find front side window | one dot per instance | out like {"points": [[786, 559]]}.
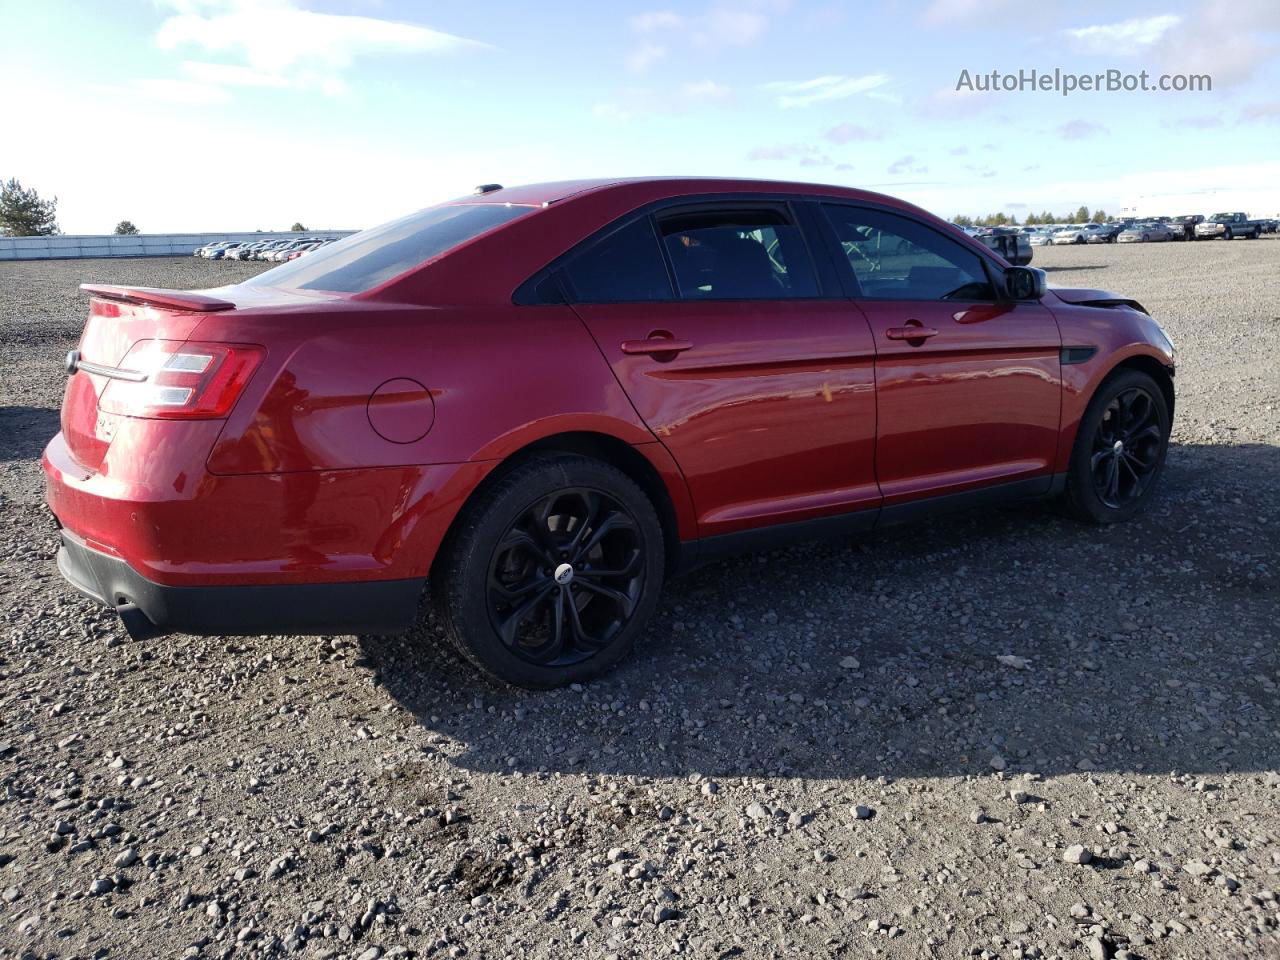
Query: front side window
{"points": [[896, 258], [371, 257], [737, 255]]}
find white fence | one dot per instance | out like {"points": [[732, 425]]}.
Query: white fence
{"points": [[140, 245]]}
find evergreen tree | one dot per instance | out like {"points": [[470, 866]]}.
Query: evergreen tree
{"points": [[24, 214]]}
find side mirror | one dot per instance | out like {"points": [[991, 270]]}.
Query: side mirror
{"points": [[1025, 283]]}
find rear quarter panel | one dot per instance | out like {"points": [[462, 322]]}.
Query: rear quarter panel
{"points": [[498, 378]]}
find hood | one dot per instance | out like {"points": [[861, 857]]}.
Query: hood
{"points": [[1089, 297]]}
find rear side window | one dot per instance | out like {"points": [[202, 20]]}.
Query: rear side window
{"points": [[745, 254], [896, 258], [624, 266], [371, 257]]}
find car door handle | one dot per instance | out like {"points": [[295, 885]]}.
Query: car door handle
{"points": [[910, 333], [655, 345]]}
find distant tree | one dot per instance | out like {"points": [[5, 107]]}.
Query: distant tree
{"points": [[1013, 220], [1032, 219], [1081, 215], [24, 214], [298, 227], [1100, 216], [963, 221], [125, 228]]}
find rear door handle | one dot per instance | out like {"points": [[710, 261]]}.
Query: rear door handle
{"points": [[910, 333], [655, 345]]}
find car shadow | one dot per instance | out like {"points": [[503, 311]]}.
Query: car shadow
{"points": [[1146, 646], [24, 431]]}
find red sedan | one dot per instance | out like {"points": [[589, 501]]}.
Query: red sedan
{"points": [[544, 400]]}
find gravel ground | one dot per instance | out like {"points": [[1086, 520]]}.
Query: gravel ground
{"points": [[997, 735]]}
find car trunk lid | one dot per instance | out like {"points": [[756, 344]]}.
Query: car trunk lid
{"points": [[118, 318]]}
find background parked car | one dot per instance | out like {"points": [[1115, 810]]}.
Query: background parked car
{"points": [[224, 252], [1102, 232], [1075, 233], [1149, 231], [1188, 223], [1228, 226]]}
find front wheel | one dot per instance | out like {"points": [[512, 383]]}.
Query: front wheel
{"points": [[552, 573], [1120, 449]]}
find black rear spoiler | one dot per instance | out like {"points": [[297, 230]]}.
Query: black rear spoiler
{"points": [[156, 297]]}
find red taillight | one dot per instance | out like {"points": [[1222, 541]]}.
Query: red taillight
{"points": [[184, 380]]}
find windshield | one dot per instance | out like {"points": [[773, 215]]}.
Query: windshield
{"points": [[371, 257], [1221, 216]]}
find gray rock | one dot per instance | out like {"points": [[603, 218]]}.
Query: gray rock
{"points": [[1077, 854]]}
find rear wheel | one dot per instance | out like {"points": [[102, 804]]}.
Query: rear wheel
{"points": [[1120, 449], [552, 573]]}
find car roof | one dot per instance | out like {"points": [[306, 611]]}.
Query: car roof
{"points": [[537, 194]]}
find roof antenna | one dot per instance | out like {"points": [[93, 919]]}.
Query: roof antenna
{"points": [[487, 188]]}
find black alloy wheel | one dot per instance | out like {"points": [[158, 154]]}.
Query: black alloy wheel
{"points": [[1126, 448], [551, 572], [1120, 449], [566, 577]]}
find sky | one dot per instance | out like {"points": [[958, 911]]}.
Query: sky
{"points": [[206, 115]]}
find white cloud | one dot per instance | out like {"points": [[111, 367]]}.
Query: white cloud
{"points": [[707, 90], [301, 48], [950, 102], [162, 90], [785, 151], [1079, 130], [644, 56], [729, 26], [726, 23], [802, 93], [1261, 111], [1122, 38], [655, 20], [230, 75], [906, 164], [843, 133], [1227, 39], [942, 12], [635, 101]]}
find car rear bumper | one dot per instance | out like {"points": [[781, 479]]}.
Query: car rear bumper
{"points": [[151, 609], [153, 504]]}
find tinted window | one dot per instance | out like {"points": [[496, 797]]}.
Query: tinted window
{"points": [[624, 266], [366, 259], [895, 258], [737, 255]]}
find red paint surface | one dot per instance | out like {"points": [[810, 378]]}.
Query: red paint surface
{"points": [[372, 418]]}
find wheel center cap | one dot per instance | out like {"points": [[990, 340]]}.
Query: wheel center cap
{"points": [[1119, 446], [564, 574]]}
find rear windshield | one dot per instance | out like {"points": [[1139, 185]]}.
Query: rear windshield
{"points": [[371, 257]]}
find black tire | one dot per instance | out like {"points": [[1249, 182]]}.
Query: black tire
{"points": [[561, 509], [1227, 234], [1113, 437]]}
